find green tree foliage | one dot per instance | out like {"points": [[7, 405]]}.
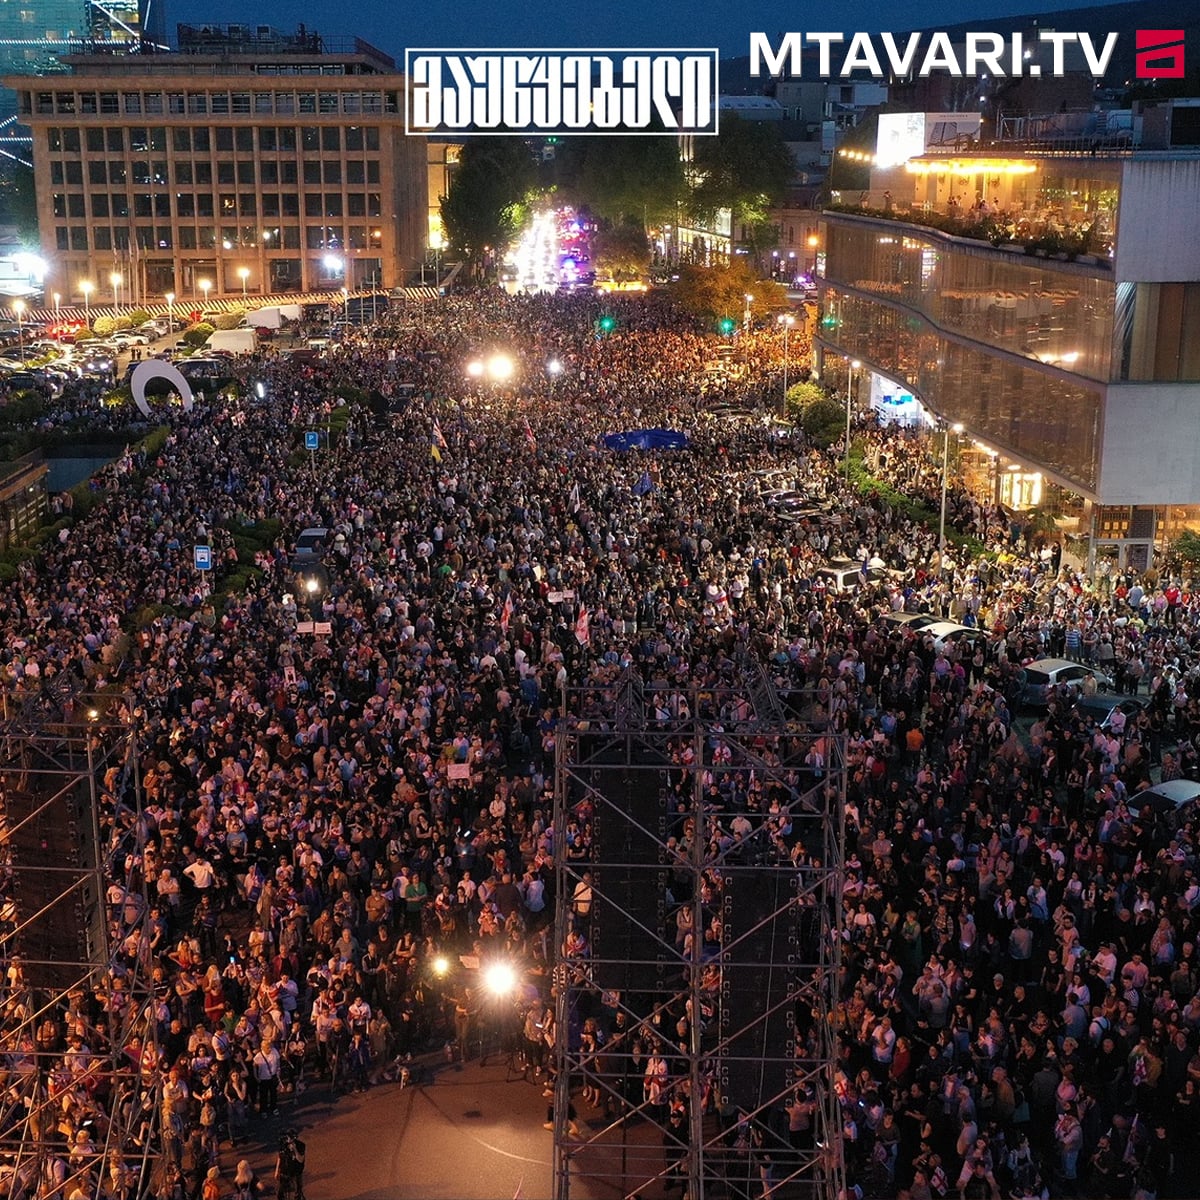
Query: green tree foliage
{"points": [[711, 293], [1187, 547], [103, 326], [622, 251], [801, 396], [198, 334], [622, 179], [229, 320], [746, 168], [488, 196], [823, 421], [139, 316]]}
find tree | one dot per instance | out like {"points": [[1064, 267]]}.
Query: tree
{"points": [[229, 320], [746, 168], [1187, 547], [198, 334], [712, 293], [800, 397], [623, 179], [488, 197], [622, 251], [823, 422]]}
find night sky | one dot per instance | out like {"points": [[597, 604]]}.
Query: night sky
{"points": [[393, 25]]}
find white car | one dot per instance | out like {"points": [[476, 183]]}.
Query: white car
{"points": [[949, 634]]}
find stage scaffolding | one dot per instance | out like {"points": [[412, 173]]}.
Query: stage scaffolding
{"points": [[73, 954], [666, 770]]}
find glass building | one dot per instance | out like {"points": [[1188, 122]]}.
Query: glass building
{"points": [[1051, 305]]}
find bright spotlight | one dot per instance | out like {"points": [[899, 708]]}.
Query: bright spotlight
{"points": [[554, 367], [475, 368], [500, 978], [311, 586], [500, 367], [441, 965]]}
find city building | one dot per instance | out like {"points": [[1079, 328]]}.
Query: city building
{"points": [[1047, 297], [248, 161], [36, 36]]}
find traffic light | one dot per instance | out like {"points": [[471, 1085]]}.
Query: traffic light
{"points": [[727, 325], [606, 324]]}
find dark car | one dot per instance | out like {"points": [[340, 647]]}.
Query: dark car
{"points": [[1102, 705]]}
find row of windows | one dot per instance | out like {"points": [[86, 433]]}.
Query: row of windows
{"points": [[271, 139], [281, 103], [149, 172], [204, 204], [211, 237]]}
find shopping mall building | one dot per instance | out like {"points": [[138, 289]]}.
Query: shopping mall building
{"points": [[1047, 297]]}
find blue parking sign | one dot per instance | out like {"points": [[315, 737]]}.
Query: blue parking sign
{"points": [[203, 558], [312, 440]]}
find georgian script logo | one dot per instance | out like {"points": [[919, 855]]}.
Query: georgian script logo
{"points": [[561, 91]]}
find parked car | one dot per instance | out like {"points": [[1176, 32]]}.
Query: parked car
{"points": [[310, 545], [844, 575], [948, 634], [914, 621], [1043, 675], [1167, 806], [1102, 705]]}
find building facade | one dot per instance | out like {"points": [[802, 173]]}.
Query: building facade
{"points": [[1048, 302], [36, 35], [250, 162]]}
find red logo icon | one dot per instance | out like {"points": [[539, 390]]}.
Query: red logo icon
{"points": [[1159, 54]]}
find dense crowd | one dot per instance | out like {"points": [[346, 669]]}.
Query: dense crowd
{"points": [[342, 790]]}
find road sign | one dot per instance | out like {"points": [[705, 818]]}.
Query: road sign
{"points": [[312, 440], [203, 558]]}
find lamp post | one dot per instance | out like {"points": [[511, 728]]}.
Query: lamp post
{"points": [[205, 284], [243, 275], [57, 303], [746, 311], [170, 299], [957, 428], [86, 288], [115, 280], [19, 309], [854, 365], [787, 321]]}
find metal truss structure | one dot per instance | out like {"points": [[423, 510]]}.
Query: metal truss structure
{"points": [[698, 943], [72, 953]]}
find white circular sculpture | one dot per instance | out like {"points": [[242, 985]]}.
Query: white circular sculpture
{"points": [[156, 368]]}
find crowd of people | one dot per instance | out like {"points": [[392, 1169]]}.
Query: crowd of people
{"points": [[343, 797]]}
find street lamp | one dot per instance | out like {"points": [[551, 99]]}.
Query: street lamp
{"points": [[19, 309], [787, 321], [57, 303], [854, 365], [746, 311], [115, 280], [86, 289], [243, 275], [205, 284], [957, 428], [170, 299]]}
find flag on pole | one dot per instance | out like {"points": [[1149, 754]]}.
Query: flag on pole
{"points": [[438, 438], [573, 498], [506, 612], [435, 453], [583, 632], [529, 436]]}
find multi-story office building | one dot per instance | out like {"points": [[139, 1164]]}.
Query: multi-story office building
{"points": [[248, 161], [1049, 300], [37, 34]]}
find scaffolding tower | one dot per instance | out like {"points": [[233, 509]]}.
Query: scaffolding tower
{"points": [[698, 839], [73, 948]]}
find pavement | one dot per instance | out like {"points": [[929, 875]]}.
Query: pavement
{"points": [[464, 1132]]}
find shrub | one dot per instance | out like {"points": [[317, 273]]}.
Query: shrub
{"points": [[139, 316], [229, 320], [198, 334], [103, 326], [823, 422]]}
